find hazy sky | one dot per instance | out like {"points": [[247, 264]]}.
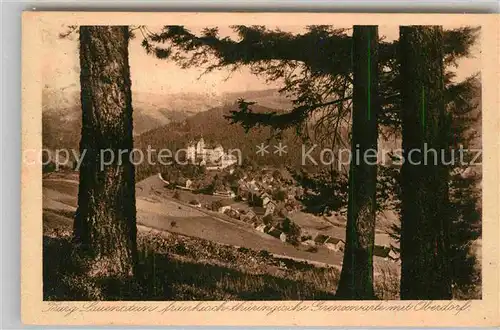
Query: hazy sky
{"points": [[61, 66]]}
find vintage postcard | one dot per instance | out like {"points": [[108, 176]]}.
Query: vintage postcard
{"points": [[260, 169]]}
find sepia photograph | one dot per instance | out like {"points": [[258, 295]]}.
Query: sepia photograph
{"points": [[260, 162]]}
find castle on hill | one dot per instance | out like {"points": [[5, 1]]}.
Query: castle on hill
{"points": [[213, 157]]}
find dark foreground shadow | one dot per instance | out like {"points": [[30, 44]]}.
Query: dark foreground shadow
{"points": [[160, 277]]}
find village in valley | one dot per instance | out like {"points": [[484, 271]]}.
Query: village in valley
{"points": [[267, 198]]}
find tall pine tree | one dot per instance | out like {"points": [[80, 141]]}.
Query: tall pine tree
{"points": [[105, 223], [425, 225], [356, 279]]}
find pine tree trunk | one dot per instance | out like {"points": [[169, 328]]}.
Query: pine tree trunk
{"points": [[356, 280], [424, 182], [105, 223]]}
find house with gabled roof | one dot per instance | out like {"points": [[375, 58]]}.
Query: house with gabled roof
{"points": [[275, 232], [321, 239], [334, 244], [381, 251]]}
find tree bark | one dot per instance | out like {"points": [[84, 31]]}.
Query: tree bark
{"points": [[105, 222], [425, 219], [356, 280]]}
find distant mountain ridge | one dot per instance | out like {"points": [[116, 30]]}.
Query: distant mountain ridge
{"points": [[269, 98], [61, 113]]}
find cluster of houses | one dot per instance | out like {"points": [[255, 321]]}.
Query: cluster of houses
{"points": [[331, 243], [338, 245], [187, 184], [183, 184], [256, 193], [264, 182], [244, 215], [269, 207], [386, 252], [273, 231], [254, 215], [228, 193]]}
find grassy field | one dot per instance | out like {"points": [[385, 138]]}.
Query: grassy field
{"points": [[176, 267]]}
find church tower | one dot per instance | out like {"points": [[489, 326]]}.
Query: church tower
{"points": [[200, 147]]}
